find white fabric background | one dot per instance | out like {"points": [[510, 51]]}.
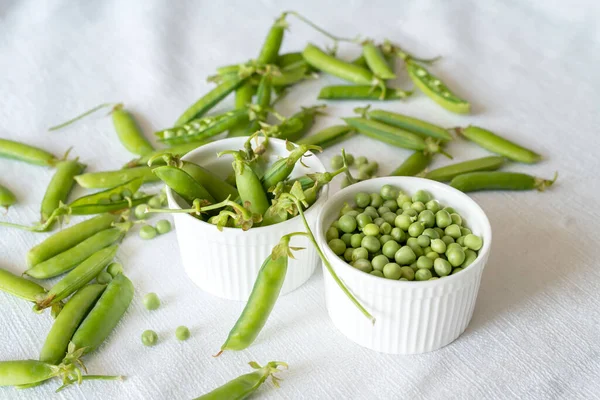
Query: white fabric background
{"points": [[529, 68]]}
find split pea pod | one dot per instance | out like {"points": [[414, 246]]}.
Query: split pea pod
{"points": [[60, 186], [20, 287], [328, 136], [496, 144], [105, 315], [26, 372], [245, 385], [57, 342], [283, 167], [248, 184], [435, 89], [409, 123], [68, 238], [322, 61], [26, 153], [262, 299], [377, 62], [270, 49], [183, 184], [217, 187], [475, 181], [211, 99], [445, 174], [351, 92], [110, 179], [203, 128], [112, 195], [79, 277], [387, 134], [413, 165], [7, 198], [129, 132], [69, 259]]}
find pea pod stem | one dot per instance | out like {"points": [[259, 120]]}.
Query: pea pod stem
{"points": [[318, 28], [80, 116], [91, 378]]}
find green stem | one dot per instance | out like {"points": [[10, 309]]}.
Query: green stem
{"points": [[92, 378], [318, 28], [77, 118]]}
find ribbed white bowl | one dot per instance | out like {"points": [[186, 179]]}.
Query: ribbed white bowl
{"points": [[226, 263], [411, 317]]}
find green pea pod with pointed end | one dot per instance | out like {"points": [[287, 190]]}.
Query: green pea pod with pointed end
{"points": [[497, 144], [377, 62], [445, 174], [328, 136], [183, 184], [248, 184], [283, 167], [217, 187], [20, 287], [60, 186], [244, 385], [496, 180], [243, 99], [129, 132], [105, 315], [413, 165], [26, 372], [388, 134], [270, 49], [67, 322], [7, 198], [111, 179], [410, 124], [435, 89], [295, 127], [351, 92], [26, 153], [322, 61], [78, 277]]}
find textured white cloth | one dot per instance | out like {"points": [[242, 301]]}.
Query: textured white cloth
{"points": [[530, 70]]}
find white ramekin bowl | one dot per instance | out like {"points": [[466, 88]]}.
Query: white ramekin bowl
{"points": [[226, 263], [411, 317]]}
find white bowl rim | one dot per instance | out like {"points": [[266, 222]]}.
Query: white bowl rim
{"points": [[236, 141], [397, 181]]}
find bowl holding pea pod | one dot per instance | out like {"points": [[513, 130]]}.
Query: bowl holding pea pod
{"points": [[225, 262], [412, 251]]}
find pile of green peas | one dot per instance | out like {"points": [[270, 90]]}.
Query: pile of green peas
{"points": [[365, 169], [395, 236]]}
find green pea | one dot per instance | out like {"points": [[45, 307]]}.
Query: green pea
{"points": [[434, 278], [392, 271], [464, 231], [163, 226], [438, 245], [371, 243], [447, 239], [473, 242], [414, 245], [378, 221], [362, 199], [452, 246], [402, 279], [422, 196], [453, 231], [182, 333], [345, 182], [149, 338], [405, 255], [433, 206], [385, 228], [337, 161], [413, 266], [418, 206], [416, 229], [389, 217], [427, 218], [449, 210], [426, 249], [391, 204], [390, 248], [456, 256], [456, 270], [332, 233], [408, 273], [470, 256], [423, 241], [376, 200], [126, 193], [432, 254], [371, 230], [388, 192], [351, 213], [385, 238], [345, 208], [423, 275], [376, 272], [104, 278], [439, 231], [442, 267], [378, 262], [371, 168], [360, 253], [401, 199], [103, 201], [403, 222], [348, 254], [356, 239], [398, 234], [361, 160], [371, 212], [147, 232], [115, 197], [461, 241], [140, 211], [363, 264], [151, 301], [335, 225], [431, 233], [347, 223], [155, 202], [411, 213], [115, 269], [407, 205], [456, 219], [138, 195], [424, 262], [337, 246], [443, 219], [346, 239]]}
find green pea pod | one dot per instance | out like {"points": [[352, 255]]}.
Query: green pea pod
{"points": [[377, 62], [243, 386], [178, 150], [290, 76], [270, 49], [208, 101], [7, 198], [294, 128], [26, 153], [183, 184], [60, 186], [65, 325], [248, 185], [69, 259], [26, 372], [283, 167], [111, 179], [261, 301], [290, 59], [360, 61], [409, 123], [79, 277], [129, 132], [496, 144], [243, 99], [218, 188], [319, 179], [322, 61], [328, 136], [435, 89], [445, 174], [125, 190], [475, 181], [89, 209], [387, 134], [351, 92], [20, 287], [68, 238], [413, 165], [274, 215], [205, 129], [105, 315], [259, 110]]}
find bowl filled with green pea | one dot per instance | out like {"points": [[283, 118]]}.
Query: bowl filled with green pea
{"points": [[412, 251]]}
